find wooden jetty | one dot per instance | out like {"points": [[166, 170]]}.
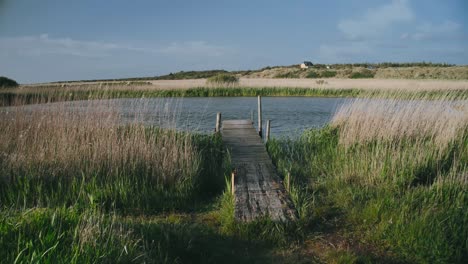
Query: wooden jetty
{"points": [[257, 188]]}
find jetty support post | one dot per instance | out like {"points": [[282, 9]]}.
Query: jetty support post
{"points": [[218, 122], [260, 116], [267, 134], [287, 183], [233, 185]]}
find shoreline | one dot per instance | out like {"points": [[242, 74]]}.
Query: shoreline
{"points": [[341, 88], [328, 83]]}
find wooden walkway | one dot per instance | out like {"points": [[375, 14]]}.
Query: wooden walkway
{"points": [[258, 190]]}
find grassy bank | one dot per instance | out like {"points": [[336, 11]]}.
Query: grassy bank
{"points": [[385, 182], [55, 93], [366, 70], [386, 70], [58, 157], [387, 176], [81, 187], [68, 179]]}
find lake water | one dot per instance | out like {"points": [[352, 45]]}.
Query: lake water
{"points": [[289, 115]]}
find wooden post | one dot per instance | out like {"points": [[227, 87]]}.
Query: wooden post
{"points": [[267, 134], [260, 116], [233, 177], [251, 115], [218, 122]]}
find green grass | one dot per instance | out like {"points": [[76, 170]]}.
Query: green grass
{"points": [[328, 74], [68, 235], [323, 74], [55, 95], [209, 73], [407, 213], [288, 75], [363, 74], [129, 188], [396, 200], [75, 212], [312, 75], [182, 75], [223, 79]]}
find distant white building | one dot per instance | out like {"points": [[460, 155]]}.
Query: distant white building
{"points": [[306, 65]]}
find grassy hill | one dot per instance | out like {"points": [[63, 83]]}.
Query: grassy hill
{"points": [[378, 71], [386, 70]]}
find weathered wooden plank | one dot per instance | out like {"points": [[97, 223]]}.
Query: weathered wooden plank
{"points": [[236, 126], [238, 122], [258, 190]]}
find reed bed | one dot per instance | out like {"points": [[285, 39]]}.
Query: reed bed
{"points": [[330, 83], [130, 165], [393, 170], [77, 184], [71, 174], [44, 93], [81, 183], [440, 121]]}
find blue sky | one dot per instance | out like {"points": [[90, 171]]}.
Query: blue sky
{"points": [[52, 40]]}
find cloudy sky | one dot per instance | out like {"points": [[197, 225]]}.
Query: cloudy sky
{"points": [[51, 40]]}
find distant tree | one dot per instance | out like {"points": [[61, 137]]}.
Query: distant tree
{"points": [[328, 74], [7, 82], [223, 79], [364, 74], [312, 74]]}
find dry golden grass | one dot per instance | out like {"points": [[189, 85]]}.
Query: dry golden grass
{"points": [[454, 73], [441, 120], [395, 136], [446, 73], [366, 84], [70, 141], [332, 83]]}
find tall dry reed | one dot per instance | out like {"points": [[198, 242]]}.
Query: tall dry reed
{"points": [[365, 84], [441, 120], [51, 153], [393, 170], [412, 141], [70, 141]]}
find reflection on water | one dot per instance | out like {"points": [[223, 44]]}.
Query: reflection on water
{"points": [[289, 115]]}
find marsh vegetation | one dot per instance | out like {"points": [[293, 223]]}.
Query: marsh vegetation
{"points": [[227, 85], [387, 176], [385, 181]]}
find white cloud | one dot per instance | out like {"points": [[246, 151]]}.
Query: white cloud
{"points": [[45, 45], [427, 31], [366, 33], [372, 37], [377, 20]]}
